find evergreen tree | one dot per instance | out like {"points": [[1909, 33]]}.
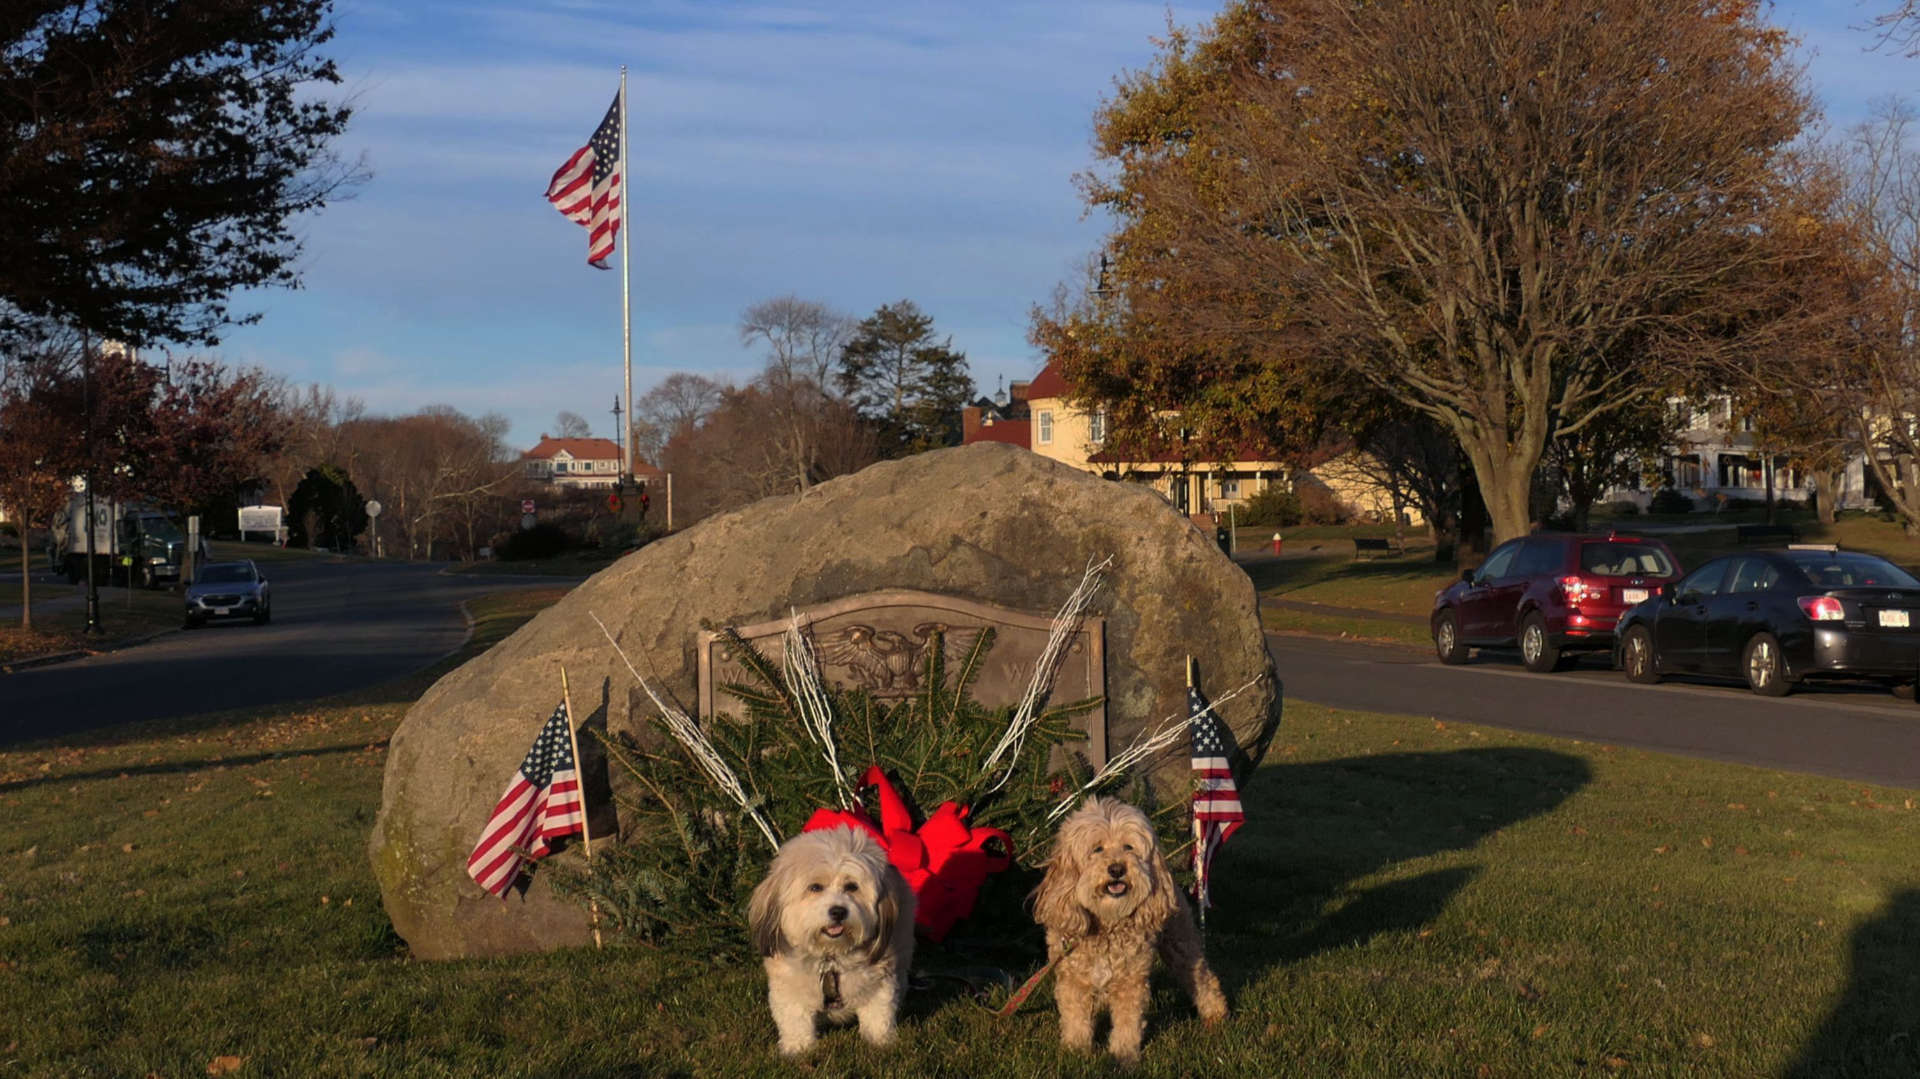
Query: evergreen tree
{"points": [[156, 152], [911, 387]]}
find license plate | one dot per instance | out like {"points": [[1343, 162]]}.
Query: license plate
{"points": [[224, 610], [1895, 619], [1633, 595]]}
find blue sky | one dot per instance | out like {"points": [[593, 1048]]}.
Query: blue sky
{"points": [[851, 152]]}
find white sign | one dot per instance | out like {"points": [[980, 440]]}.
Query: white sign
{"points": [[260, 519], [526, 505], [373, 507]]}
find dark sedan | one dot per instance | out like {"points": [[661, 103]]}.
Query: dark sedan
{"points": [[228, 590], [1775, 618]]}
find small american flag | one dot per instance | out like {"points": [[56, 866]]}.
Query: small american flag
{"points": [[1216, 799], [542, 803], [589, 190]]}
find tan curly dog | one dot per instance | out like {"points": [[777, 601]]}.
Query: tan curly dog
{"points": [[1108, 905]]}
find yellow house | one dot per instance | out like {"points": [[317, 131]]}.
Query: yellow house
{"points": [[1073, 436], [1353, 478]]}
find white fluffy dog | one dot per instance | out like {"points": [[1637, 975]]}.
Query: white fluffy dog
{"points": [[835, 922], [1108, 905]]}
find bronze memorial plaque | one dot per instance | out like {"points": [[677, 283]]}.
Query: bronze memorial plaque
{"points": [[877, 642]]}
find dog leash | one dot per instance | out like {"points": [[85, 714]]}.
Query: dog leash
{"points": [[1021, 994]]}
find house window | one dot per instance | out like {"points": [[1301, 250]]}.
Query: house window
{"points": [[1043, 429], [1097, 427], [1230, 488], [559, 466]]}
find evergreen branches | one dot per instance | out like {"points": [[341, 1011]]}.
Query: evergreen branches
{"points": [[687, 862]]}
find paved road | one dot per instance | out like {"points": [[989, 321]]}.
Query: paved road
{"points": [[1850, 732], [336, 627]]}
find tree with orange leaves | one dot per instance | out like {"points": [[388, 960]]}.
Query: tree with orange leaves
{"points": [[1519, 220]]}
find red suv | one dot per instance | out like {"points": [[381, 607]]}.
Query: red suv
{"points": [[1549, 593]]}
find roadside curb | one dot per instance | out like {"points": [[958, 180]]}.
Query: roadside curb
{"points": [[65, 657]]}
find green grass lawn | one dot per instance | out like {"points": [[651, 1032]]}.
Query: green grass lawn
{"points": [[1408, 898]]}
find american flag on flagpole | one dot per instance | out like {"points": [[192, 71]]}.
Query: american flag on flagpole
{"points": [[543, 802], [589, 189], [1216, 798]]}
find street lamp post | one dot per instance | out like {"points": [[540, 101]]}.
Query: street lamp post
{"points": [[93, 626], [622, 437]]}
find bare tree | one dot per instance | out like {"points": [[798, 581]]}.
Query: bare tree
{"points": [[803, 340], [678, 404], [1883, 358], [441, 476], [1899, 28], [568, 424], [1470, 206], [743, 451]]}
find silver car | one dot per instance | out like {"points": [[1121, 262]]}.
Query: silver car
{"points": [[228, 590]]}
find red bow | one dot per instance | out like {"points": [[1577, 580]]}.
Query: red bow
{"points": [[944, 861]]}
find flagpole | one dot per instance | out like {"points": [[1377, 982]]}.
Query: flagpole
{"points": [[580, 771], [1199, 853], [626, 303]]}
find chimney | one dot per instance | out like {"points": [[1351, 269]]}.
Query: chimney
{"points": [[969, 422]]}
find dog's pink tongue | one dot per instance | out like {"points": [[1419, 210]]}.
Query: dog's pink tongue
{"points": [[835, 930]]}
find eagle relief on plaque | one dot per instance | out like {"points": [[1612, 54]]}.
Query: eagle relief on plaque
{"points": [[877, 642]]}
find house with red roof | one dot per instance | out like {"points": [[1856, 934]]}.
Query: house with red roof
{"points": [[1051, 425], [573, 462]]}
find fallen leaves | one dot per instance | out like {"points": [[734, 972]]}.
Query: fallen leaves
{"points": [[225, 1065]]}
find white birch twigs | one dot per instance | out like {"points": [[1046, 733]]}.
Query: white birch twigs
{"points": [[698, 746], [1066, 622], [816, 713], [1151, 743]]}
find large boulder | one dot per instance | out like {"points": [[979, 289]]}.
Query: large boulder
{"points": [[987, 522]]}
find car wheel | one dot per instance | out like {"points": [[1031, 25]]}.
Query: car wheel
{"points": [[1764, 667], [1636, 656], [1537, 649], [1446, 639]]}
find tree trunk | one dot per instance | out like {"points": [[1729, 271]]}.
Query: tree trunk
{"points": [[1825, 494], [1506, 483], [26, 580], [1766, 470]]}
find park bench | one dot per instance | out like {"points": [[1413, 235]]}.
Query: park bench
{"points": [[1370, 545], [1765, 533]]}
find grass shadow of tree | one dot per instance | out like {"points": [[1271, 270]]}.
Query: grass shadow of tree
{"points": [[1284, 887], [1872, 1031]]}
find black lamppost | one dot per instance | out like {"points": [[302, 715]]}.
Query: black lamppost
{"points": [[619, 436], [93, 626]]}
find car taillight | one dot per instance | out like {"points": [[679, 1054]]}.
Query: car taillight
{"points": [[1822, 608], [1579, 590]]}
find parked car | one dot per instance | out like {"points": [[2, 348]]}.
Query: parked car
{"points": [[1777, 617], [1550, 593], [228, 590]]}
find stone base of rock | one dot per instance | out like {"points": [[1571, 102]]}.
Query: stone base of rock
{"points": [[988, 523]]}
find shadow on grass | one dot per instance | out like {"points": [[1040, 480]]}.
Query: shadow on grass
{"points": [[1284, 887], [193, 765], [1872, 1030]]}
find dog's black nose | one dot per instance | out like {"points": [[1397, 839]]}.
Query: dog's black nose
{"points": [[838, 914], [1116, 870]]}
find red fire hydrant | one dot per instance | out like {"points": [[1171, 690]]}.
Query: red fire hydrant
{"points": [[1276, 543]]}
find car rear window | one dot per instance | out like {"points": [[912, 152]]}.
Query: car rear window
{"points": [[1847, 569], [1612, 559]]}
